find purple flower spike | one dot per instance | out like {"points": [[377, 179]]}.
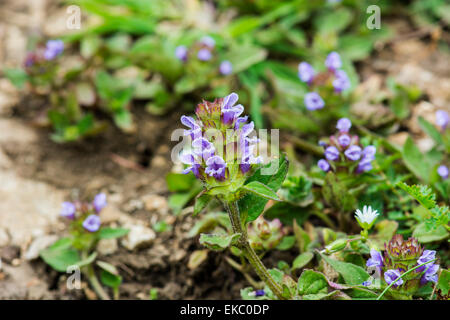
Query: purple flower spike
{"points": [[391, 275], [53, 49], [204, 55], [430, 274], [442, 171], [230, 113], [344, 125], [189, 159], [313, 101], [216, 167], [181, 52], [375, 260], [353, 153], [333, 61], [99, 202], [92, 223], [305, 72], [442, 119], [324, 165], [332, 153], [344, 140], [226, 67], [68, 210], [208, 41], [341, 82]]}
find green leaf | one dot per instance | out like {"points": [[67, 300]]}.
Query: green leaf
{"points": [[179, 182], [261, 190], [201, 202], [424, 235], [312, 282], [352, 274], [87, 261], [110, 280], [334, 20], [18, 77], [111, 233], [108, 267], [416, 161], [302, 260], [423, 194], [251, 206], [60, 255], [431, 131], [218, 242], [444, 282]]}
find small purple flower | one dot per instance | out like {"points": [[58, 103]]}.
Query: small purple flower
{"points": [[238, 122], [230, 113], [333, 61], [305, 72], [181, 52], [68, 210], [195, 130], [259, 293], [92, 223], [364, 165], [391, 275], [189, 159], [204, 55], [369, 152], [367, 283], [430, 274], [53, 48], [203, 148], [442, 171], [341, 82], [375, 260], [248, 159], [332, 153], [344, 125], [225, 67], [313, 101], [324, 165], [426, 256], [353, 153], [442, 119], [208, 41], [216, 167], [99, 202], [344, 140]]}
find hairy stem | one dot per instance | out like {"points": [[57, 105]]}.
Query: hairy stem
{"points": [[247, 250]]}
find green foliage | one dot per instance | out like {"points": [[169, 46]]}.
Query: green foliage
{"points": [[218, 242]]}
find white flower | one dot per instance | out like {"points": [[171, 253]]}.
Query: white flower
{"points": [[366, 217]]}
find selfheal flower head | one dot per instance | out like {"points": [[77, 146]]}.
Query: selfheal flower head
{"points": [[323, 164], [53, 48], [442, 171], [204, 55], [344, 125], [341, 81], [366, 217], [353, 153], [305, 72], [181, 52], [333, 61], [225, 67], [99, 202], [402, 253], [68, 210], [391, 275], [332, 153], [92, 223], [442, 119], [313, 101]]}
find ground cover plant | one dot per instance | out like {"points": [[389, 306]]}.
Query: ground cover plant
{"points": [[157, 106]]}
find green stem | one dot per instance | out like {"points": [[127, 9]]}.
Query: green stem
{"points": [[410, 270], [92, 278], [247, 250]]}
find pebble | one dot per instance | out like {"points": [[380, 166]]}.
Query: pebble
{"points": [[138, 237], [38, 244]]}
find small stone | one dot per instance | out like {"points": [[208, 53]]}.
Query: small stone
{"points": [[38, 244], [107, 246], [154, 202], [138, 237]]}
